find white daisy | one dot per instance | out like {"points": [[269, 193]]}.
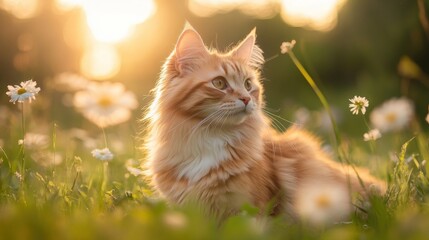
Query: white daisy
{"points": [[302, 116], [132, 166], [70, 82], [35, 141], [102, 154], [358, 104], [287, 46], [47, 158], [392, 115], [372, 135], [323, 203], [105, 104], [25, 91]]}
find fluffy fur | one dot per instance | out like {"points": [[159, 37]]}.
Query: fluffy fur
{"points": [[213, 146]]}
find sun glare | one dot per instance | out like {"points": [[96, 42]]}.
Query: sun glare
{"points": [[100, 62], [257, 8], [65, 5], [319, 15], [113, 20], [315, 14]]}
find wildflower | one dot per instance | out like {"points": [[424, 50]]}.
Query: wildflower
{"points": [[47, 159], [323, 203], [287, 46], [35, 141], [392, 115], [27, 90], [82, 136], [358, 104], [372, 135], [323, 120], [102, 154], [302, 116], [130, 165], [70, 82], [19, 176], [105, 104]]}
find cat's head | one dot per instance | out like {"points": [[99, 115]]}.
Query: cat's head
{"points": [[210, 86]]}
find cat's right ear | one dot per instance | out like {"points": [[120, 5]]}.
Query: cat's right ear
{"points": [[190, 50]]}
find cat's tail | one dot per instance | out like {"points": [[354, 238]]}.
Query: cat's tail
{"points": [[311, 180]]}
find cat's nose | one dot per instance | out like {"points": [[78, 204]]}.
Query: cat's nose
{"points": [[245, 100]]}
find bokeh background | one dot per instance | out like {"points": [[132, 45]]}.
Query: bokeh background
{"points": [[376, 49], [51, 183]]}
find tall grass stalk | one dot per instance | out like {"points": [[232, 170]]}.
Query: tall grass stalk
{"points": [[322, 99], [339, 149]]}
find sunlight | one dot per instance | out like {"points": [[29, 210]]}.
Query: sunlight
{"points": [[100, 62], [112, 20], [68, 4], [318, 15], [20, 8], [256, 8]]}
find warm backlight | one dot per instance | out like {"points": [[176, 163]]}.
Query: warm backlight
{"points": [[316, 14], [100, 62]]}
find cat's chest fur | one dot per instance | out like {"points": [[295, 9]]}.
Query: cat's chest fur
{"points": [[205, 153], [210, 166]]}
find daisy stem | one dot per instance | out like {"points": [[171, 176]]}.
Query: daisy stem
{"points": [[371, 143], [105, 177], [23, 144], [366, 122], [321, 97]]}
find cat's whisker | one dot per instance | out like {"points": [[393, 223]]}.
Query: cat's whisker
{"points": [[221, 119], [228, 113], [279, 117], [276, 123], [211, 116], [276, 118], [183, 121]]}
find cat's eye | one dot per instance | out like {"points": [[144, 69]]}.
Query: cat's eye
{"points": [[219, 83], [248, 84]]}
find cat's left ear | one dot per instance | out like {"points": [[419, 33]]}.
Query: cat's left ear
{"points": [[248, 51]]}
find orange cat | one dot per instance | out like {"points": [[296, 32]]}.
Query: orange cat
{"points": [[210, 143]]}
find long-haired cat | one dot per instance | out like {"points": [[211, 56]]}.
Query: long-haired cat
{"points": [[209, 142]]}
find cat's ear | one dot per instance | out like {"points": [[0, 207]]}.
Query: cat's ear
{"points": [[248, 51], [190, 50]]}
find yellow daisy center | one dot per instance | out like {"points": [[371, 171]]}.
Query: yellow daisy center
{"points": [[323, 201], [105, 101], [21, 91], [391, 117]]}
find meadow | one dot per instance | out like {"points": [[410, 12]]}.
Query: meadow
{"points": [[71, 162], [86, 184]]}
